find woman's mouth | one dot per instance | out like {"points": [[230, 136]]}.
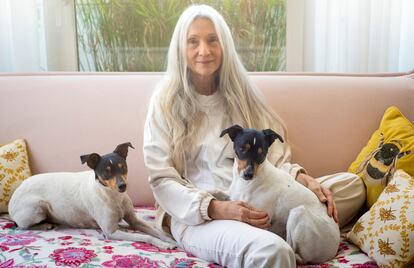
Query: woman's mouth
{"points": [[205, 61]]}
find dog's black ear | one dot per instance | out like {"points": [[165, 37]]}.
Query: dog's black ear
{"points": [[271, 136], [122, 149], [233, 131], [92, 160]]}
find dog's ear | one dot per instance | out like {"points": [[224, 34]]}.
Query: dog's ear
{"points": [[233, 131], [271, 136], [122, 149], [92, 160]]}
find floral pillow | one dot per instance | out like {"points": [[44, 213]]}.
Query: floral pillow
{"points": [[14, 168], [386, 231]]}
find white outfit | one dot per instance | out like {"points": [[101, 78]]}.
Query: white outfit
{"points": [[209, 166]]}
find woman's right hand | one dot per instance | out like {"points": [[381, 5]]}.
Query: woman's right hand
{"points": [[239, 211]]}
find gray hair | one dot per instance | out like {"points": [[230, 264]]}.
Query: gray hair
{"points": [[178, 101]]}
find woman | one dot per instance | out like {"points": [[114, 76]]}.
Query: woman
{"points": [[205, 90]]}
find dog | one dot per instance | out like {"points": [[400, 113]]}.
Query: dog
{"points": [[90, 199], [296, 213]]}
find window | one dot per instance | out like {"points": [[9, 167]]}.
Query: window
{"points": [[270, 35], [134, 35]]}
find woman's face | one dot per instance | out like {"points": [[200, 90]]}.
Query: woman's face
{"points": [[203, 48]]}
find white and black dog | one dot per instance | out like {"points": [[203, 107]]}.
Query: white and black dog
{"points": [[89, 199], [296, 213]]}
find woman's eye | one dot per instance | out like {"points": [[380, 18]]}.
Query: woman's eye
{"points": [[212, 39], [193, 42]]}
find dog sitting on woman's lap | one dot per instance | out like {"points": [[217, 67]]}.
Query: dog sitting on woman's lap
{"points": [[88, 199], [296, 213]]}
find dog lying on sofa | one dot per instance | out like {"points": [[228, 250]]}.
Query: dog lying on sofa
{"points": [[89, 199], [296, 213]]}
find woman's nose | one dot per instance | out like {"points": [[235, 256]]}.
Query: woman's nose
{"points": [[203, 49]]}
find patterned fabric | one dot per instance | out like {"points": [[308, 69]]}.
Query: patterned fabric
{"points": [[66, 247], [14, 168], [386, 231], [390, 147]]}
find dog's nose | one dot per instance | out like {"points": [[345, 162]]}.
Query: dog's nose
{"points": [[248, 174], [122, 187]]}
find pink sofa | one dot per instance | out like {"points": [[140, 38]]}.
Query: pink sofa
{"points": [[64, 115]]}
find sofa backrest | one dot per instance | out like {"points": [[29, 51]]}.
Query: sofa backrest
{"points": [[64, 115]]}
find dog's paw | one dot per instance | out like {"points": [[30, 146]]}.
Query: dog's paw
{"points": [[166, 245], [220, 195], [45, 226], [124, 225]]}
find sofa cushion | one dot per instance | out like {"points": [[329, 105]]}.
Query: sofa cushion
{"points": [[14, 168], [386, 231], [391, 147]]}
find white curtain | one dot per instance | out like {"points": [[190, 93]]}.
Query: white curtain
{"points": [[21, 44], [350, 35], [37, 35]]}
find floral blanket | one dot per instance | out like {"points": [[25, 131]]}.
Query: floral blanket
{"points": [[68, 247]]}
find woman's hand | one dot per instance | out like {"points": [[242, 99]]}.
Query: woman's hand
{"points": [[323, 193], [239, 211]]}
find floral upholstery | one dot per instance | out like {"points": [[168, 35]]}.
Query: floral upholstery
{"points": [[68, 247]]}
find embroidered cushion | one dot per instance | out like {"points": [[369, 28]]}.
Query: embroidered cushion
{"points": [[14, 168], [390, 147], [386, 231]]}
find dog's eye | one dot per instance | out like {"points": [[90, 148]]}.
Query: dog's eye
{"points": [[106, 175], [122, 167], [246, 147]]}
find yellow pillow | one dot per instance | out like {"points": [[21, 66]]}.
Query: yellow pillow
{"points": [[391, 147], [14, 168], [386, 231]]}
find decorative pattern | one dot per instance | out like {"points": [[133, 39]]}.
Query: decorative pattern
{"points": [[67, 247], [386, 231], [14, 168], [390, 147]]}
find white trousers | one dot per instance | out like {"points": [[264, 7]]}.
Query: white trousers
{"points": [[237, 244], [349, 194], [234, 244]]}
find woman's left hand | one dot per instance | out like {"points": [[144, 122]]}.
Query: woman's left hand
{"points": [[323, 193]]}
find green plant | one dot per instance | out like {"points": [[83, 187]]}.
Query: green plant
{"points": [[133, 35]]}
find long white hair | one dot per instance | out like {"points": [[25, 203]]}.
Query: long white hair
{"points": [[177, 95]]}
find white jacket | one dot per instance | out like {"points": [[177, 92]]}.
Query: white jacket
{"points": [[208, 165]]}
